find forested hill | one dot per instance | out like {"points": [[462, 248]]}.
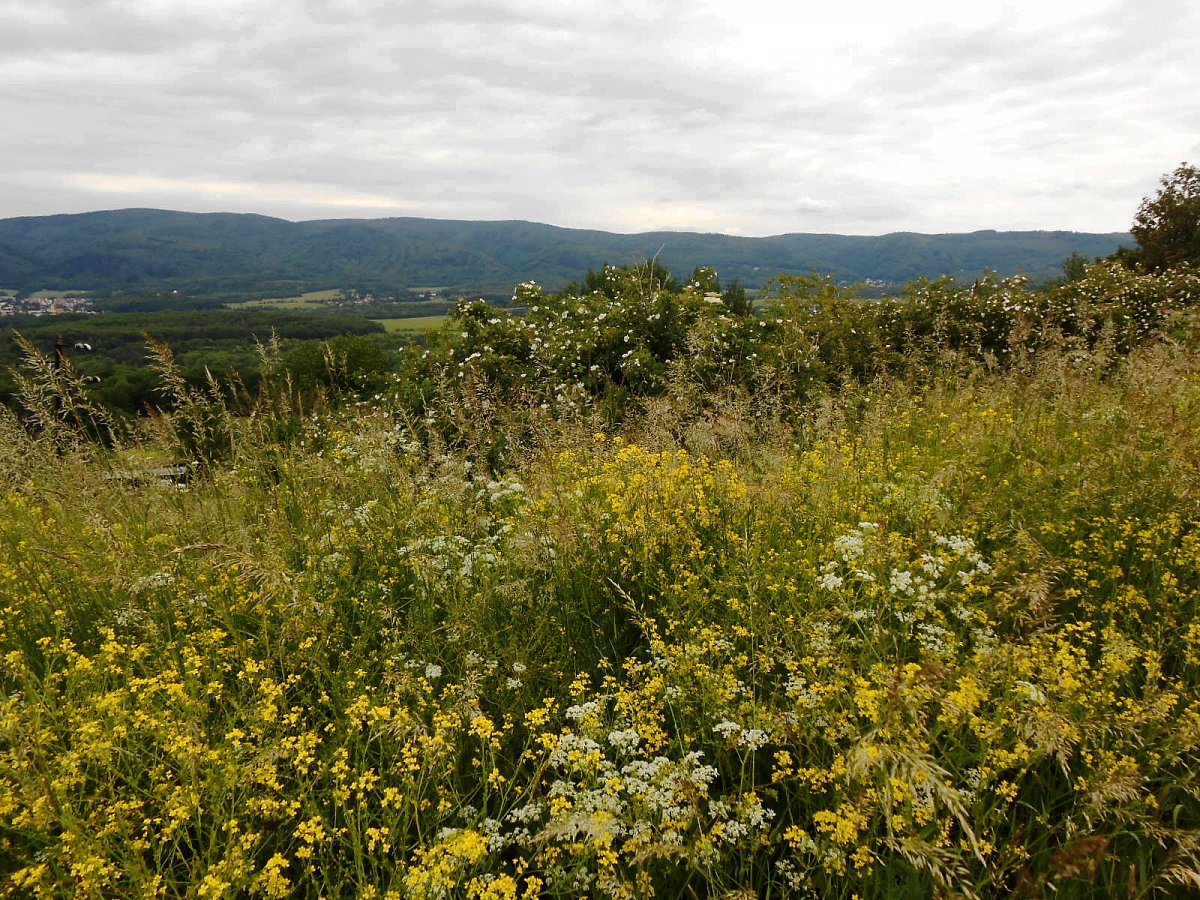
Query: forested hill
{"points": [[217, 253]]}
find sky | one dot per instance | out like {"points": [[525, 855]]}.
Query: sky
{"points": [[748, 117]]}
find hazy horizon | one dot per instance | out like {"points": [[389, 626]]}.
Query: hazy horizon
{"points": [[226, 212]]}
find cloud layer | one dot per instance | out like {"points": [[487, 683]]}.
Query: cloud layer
{"points": [[745, 116]]}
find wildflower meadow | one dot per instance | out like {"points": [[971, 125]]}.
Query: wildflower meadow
{"points": [[637, 593]]}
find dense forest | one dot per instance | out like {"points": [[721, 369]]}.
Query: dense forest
{"points": [[647, 591], [228, 256]]}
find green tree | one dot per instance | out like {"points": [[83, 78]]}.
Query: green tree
{"points": [[1074, 266], [737, 301], [1167, 225], [704, 279], [346, 363]]}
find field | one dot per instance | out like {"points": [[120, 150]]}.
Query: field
{"points": [[55, 295], [413, 324], [804, 611], [43, 295], [309, 300]]}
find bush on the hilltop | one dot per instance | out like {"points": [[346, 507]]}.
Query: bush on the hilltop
{"points": [[637, 335]]}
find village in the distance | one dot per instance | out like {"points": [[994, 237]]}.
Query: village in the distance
{"points": [[44, 304]]}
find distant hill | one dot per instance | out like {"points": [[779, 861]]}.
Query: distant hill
{"points": [[224, 253]]}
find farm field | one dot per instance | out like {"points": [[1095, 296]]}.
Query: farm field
{"points": [[632, 595], [413, 324], [308, 300], [55, 295]]}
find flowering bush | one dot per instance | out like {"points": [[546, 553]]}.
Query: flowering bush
{"points": [[636, 335]]}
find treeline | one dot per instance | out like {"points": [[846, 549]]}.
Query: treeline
{"points": [[229, 256], [220, 341]]}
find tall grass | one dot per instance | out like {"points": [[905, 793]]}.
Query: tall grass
{"points": [[931, 634]]}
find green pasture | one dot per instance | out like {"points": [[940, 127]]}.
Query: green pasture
{"points": [[309, 300], [55, 295], [413, 324]]}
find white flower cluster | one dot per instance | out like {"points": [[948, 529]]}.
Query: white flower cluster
{"points": [[152, 582], [850, 547], [444, 559], [495, 492], [749, 738], [926, 596]]}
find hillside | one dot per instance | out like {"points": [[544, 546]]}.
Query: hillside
{"points": [[222, 253], [630, 596]]}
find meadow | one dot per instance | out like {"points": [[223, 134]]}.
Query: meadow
{"points": [[634, 595], [412, 324], [308, 300]]}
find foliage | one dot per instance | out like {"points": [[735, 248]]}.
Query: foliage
{"points": [[938, 639], [237, 256], [198, 428], [1074, 266], [346, 363], [56, 402], [1167, 225], [573, 354], [219, 341], [636, 335]]}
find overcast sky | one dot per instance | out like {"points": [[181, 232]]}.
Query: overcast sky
{"points": [[740, 116]]}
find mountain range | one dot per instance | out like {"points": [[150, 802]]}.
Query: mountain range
{"points": [[224, 254]]}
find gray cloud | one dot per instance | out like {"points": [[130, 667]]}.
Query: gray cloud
{"points": [[588, 114]]}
